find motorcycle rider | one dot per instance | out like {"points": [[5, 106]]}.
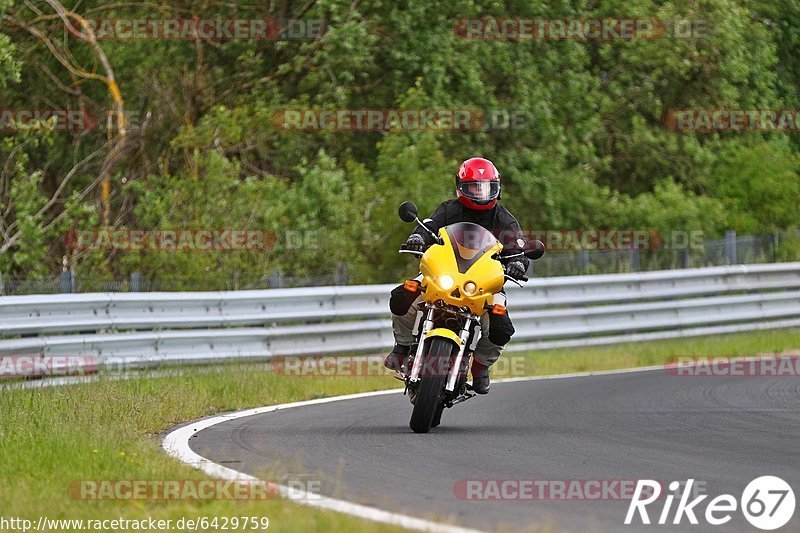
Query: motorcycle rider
{"points": [[477, 190]]}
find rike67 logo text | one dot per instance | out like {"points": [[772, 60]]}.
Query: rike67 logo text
{"points": [[767, 503]]}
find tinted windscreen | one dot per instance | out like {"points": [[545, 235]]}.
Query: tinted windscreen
{"points": [[470, 242]]}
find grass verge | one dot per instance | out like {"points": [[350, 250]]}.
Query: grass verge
{"points": [[110, 429]]}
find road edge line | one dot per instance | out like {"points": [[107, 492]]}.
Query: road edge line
{"points": [[176, 444]]}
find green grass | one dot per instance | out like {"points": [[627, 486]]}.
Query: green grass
{"points": [[652, 353], [111, 429]]}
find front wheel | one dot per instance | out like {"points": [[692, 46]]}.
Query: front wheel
{"points": [[434, 375], [437, 418]]}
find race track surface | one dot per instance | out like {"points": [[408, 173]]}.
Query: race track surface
{"points": [[720, 431]]}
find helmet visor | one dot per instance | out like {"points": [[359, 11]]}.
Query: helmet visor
{"points": [[480, 191]]}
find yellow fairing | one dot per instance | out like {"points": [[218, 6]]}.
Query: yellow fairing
{"points": [[440, 261], [444, 332]]}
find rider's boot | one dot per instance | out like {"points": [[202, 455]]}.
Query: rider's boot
{"points": [[394, 361], [480, 377]]}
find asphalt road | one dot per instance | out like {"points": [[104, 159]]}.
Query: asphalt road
{"points": [[721, 431]]}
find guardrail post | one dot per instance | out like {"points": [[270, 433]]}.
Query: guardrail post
{"points": [[730, 247], [341, 276], [2, 284], [275, 278], [136, 281], [636, 265], [583, 259], [775, 238], [683, 258], [67, 282]]}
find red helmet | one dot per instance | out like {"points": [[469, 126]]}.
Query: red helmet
{"points": [[478, 183]]}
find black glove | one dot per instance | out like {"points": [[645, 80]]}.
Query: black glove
{"points": [[515, 269], [415, 243]]}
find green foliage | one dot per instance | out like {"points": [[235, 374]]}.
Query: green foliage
{"points": [[9, 65], [28, 254], [759, 186], [207, 152], [671, 208]]}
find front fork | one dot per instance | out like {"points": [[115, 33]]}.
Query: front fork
{"points": [[416, 368], [456, 367], [427, 325]]}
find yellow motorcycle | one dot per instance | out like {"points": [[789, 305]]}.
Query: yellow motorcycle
{"points": [[460, 275]]}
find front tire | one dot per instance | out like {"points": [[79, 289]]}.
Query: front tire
{"points": [[437, 418], [428, 401]]}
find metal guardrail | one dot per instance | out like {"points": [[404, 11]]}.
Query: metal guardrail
{"points": [[140, 329]]}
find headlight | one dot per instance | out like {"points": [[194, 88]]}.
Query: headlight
{"points": [[446, 282], [469, 288]]}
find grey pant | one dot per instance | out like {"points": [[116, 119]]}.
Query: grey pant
{"points": [[486, 352]]}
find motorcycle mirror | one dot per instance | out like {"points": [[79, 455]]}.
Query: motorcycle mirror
{"points": [[408, 212], [534, 249]]}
